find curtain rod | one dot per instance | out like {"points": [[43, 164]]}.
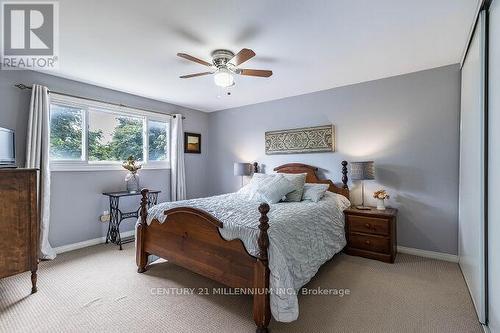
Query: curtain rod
{"points": [[24, 87]]}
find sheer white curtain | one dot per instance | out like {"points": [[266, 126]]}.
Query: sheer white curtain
{"points": [[37, 156], [177, 172]]}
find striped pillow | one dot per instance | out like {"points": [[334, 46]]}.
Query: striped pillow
{"points": [[258, 179], [298, 180], [272, 191], [314, 192]]}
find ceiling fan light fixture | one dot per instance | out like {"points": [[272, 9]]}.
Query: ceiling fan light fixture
{"points": [[225, 65], [223, 78]]}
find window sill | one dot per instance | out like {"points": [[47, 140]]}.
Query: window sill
{"points": [[69, 167]]}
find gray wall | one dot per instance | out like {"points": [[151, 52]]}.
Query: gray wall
{"points": [[76, 196], [409, 125], [494, 167]]}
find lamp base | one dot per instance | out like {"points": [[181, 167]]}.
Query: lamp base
{"points": [[363, 208]]}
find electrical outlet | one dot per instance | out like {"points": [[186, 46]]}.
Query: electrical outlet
{"points": [[105, 217]]}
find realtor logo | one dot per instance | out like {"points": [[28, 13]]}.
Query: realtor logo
{"points": [[30, 35]]}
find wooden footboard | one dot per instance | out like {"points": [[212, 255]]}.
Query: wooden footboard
{"points": [[190, 238]]}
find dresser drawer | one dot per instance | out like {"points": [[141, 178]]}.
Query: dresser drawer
{"points": [[18, 221], [369, 243], [369, 225]]}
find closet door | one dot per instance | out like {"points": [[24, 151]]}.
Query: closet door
{"points": [[494, 167], [472, 170]]}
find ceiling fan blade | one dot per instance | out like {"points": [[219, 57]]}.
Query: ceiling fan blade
{"points": [[255, 72], [191, 58], [194, 75], [242, 56]]}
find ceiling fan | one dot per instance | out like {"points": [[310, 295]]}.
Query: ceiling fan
{"points": [[224, 65]]}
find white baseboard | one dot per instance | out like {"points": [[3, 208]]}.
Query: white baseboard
{"points": [[428, 254], [401, 249], [90, 242], [486, 329]]}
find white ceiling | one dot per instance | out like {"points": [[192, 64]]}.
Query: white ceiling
{"points": [[312, 45]]}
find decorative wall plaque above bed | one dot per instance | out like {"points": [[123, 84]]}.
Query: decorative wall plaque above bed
{"points": [[301, 140]]}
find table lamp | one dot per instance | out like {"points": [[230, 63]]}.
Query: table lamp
{"points": [[362, 171], [242, 169]]}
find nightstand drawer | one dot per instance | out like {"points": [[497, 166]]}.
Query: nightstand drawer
{"points": [[370, 243], [370, 225]]}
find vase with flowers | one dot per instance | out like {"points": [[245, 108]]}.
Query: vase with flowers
{"points": [[132, 178], [381, 196]]}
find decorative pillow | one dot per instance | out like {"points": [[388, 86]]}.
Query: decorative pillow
{"points": [[249, 190], [251, 184], [258, 179], [245, 190], [275, 189], [314, 192], [298, 180]]}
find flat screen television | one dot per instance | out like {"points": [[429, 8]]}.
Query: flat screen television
{"points": [[7, 148]]}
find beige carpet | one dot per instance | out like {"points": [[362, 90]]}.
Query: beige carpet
{"points": [[97, 289]]}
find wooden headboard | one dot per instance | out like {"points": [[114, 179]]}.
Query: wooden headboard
{"points": [[313, 178]]}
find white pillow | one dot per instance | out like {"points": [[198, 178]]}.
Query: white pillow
{"points": [[258, 179], [298, 180], [250, 189], [314, 192], [275, 189], [245, 190]]}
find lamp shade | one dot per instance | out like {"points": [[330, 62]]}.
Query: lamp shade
{"points": [[242, 169], [362, 170]]}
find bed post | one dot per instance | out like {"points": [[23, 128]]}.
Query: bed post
{"points": [[255, 167], [141, 256], [261, 305], [344, 174]]}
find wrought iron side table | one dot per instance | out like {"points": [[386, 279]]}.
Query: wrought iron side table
{"points": [[117, 216]]}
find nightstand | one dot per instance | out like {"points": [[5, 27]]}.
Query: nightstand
{"points": [[371, 233]]}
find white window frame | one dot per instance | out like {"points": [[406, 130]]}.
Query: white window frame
{"points": [[84, 164]]}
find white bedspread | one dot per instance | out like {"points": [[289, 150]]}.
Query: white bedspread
{"points": [[302, 236]]}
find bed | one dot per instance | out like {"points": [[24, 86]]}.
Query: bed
{"points": [[227, 239]]}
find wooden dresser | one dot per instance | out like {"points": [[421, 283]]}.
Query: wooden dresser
{"points": [[19, 223], [371, 233]]}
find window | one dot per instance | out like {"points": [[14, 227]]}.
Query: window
{"points": [[90, 135], [66, 135], [157, 140], [114, 137]]}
